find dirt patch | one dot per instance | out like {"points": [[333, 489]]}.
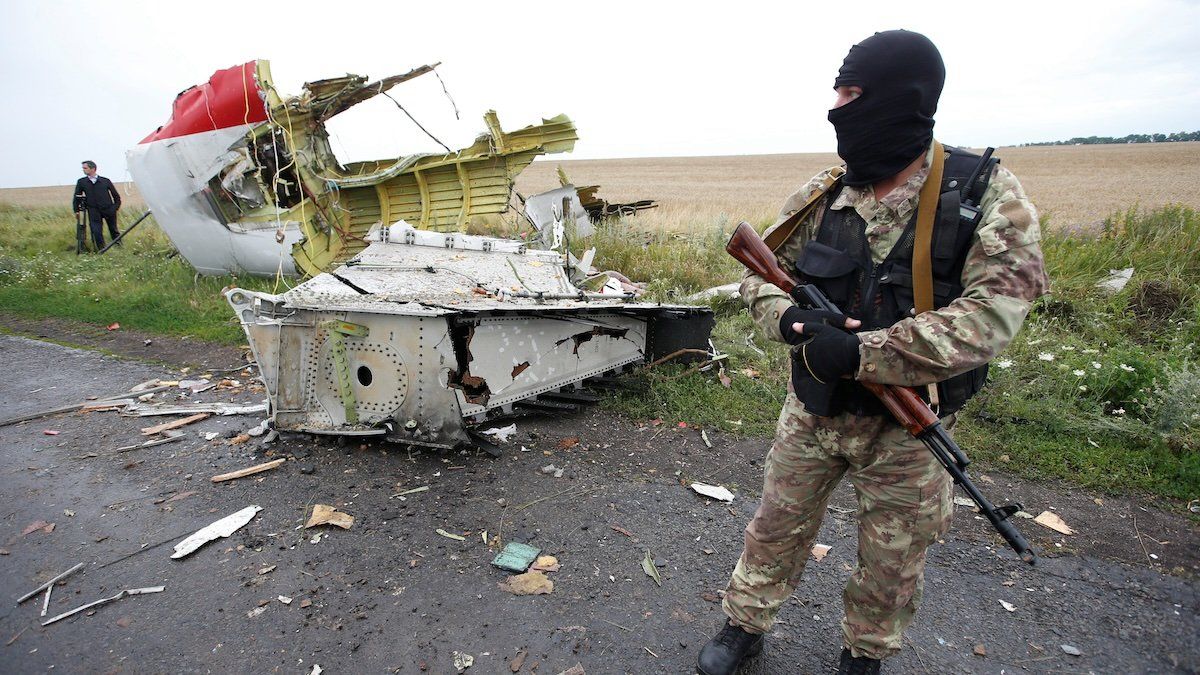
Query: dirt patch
{"points": [[127, 343]]}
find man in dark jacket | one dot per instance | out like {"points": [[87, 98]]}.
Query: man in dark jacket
{"points": [[99, 197]]}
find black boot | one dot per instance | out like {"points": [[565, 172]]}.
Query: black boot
{"points": [[857, 665], [723, 653]]}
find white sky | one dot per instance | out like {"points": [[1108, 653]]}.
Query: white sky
{"points": [[641, 79]]}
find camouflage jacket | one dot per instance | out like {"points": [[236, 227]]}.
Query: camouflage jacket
{"points": [[1003, 274]]}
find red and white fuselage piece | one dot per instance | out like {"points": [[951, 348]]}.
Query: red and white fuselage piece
{"points": [[173, 167]]}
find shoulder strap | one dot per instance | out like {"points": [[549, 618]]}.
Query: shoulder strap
{"points": [[784, 232], [927, 202]]}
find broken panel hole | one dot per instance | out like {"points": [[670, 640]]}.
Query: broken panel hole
{"points": [[364, 376]]}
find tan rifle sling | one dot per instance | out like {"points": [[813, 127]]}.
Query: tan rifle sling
{"points": [[784, 232], [922, 261]]}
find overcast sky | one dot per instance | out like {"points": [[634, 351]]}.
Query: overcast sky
{"points": [[641, 79]]}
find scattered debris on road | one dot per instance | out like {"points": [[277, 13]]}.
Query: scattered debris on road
{"points": [[1053, 521], [1008, 606], [649, 568], [168, 437], [248, 471], [402, 495], [102, 601], [450, 535], [546, 563], [37, 525], [215, 408], [618, 528], [717, 492], [819, 551], [501, 434], [221, 528], [50, 583], [516, 557], [551, 470], [462, 661], [528, 583], [324, 514], [174, 424], [1071, 650]]}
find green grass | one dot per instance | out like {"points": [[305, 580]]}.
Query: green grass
{"points": [[139, 285], [1116, 409]]}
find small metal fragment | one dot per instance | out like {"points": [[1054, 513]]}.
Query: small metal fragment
{"points": [[50, 583], [101, 601]]}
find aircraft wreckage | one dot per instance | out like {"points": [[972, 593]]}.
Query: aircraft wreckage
{"points": [[424, 334], [407, 328], [242, 179]]}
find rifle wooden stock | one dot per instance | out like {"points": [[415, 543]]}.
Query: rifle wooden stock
{"points": [[749, 249]]}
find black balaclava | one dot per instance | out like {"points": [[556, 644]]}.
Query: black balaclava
{"points": [[883, 130]]}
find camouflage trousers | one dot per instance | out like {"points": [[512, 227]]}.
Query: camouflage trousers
{"points": [[904, 505]]}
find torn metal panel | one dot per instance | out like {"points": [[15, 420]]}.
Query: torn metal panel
{"points": [[558, 213], [242, 178], [598, 208], [449, 330]]}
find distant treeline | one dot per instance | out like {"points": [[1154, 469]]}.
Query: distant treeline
{"points": [[1131, 138]]}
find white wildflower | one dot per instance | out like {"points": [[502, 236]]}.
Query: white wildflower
{"points": [[1118, 411], [1096, 365], [1068, 348], [1078, 373], [1045, 356], [1083, 387], [1004, 365], [1126, 368], [1090, 351]]}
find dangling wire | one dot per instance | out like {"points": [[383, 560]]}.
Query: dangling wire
{"points": [[447, 93], [448, 150]]}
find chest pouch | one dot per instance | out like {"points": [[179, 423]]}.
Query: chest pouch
{"points": [[829, 269]]}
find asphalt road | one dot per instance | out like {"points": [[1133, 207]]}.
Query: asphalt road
{"points": [[392, 595]]}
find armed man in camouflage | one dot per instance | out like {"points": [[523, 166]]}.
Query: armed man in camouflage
{"points": [[855, 242]]}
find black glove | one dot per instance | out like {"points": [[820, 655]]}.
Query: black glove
{"points": [[794, 314], [829, 353]]}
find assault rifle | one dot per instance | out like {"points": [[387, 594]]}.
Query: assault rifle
{"points": [[905, 405]]}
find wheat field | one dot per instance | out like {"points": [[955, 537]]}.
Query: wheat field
{"points": [[1075, 186]]}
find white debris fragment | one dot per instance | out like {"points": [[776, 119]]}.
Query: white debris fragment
{"points": [[316, 670], [964, 501], [726, 290], [211, 435], [1071, 650], [551, 470], [102, 601], [462, 661], [718, 492], [1008, 606], [501, 434], [258, 430], [819, 551], [256, 611], [221, 528], [284, 599], [1116, 280]]}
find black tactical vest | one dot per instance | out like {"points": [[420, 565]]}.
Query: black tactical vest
{"points": [[838, 261]]}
